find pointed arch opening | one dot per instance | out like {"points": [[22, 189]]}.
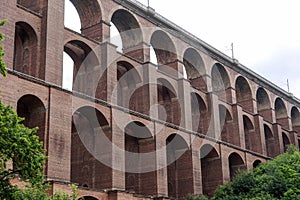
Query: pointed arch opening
{"points": [[281, 113], [220, 82], [244, 94], [200, 114], [26, 51], [236, 164], [139, 177], [194, 68], [90, 148], [179, 169], [211, 169], [264, 104]]}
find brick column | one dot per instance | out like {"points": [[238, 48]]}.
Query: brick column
{"points": [[118, 152], [54, 42], [59, 135], [184, 96]]}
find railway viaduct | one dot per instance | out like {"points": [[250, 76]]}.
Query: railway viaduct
{"points": [[132, 127]]}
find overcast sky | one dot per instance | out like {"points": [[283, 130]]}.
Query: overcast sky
{"points": [[265, 33]]}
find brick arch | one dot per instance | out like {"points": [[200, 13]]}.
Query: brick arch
{"points": [[256, 163], [179, 169], [195, 68], [236, 163], [228, 132], [129, 93], [33, 110], [263, 104], [86, 75], [286, 141], [130, 31], [169, 109], [165, 52], [90, 15], [200, 114], [251, 140], [139, 173], [26, 51], [295, 116], [220, 81], [34, 5], [281, 113], [244, 94], [88, 197], [91, 149], [271, 142], [211, 169]]}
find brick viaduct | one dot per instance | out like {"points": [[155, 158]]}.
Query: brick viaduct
{"points": [[220, 116]]}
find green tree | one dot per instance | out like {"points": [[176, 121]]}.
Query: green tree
{"points": [[2, 64], [20, 146], [276, 179]]}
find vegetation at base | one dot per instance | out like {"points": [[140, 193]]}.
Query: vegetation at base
{"points": [[276, 179], [2, 64], [196, 197], [20, 146]]}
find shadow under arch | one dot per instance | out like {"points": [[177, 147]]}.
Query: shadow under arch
{"points": [[271, 142], [179, 169], [139, 173], [86, 70], [252, 138], [295, 115], [195, 68], [26, 51], [228, 133], [286, 141], [90, 15], [244, 94], [33, 5], [263, 104], [89, 149], [211, 169], [32, 109], [128, 82], [200, 114], [236, 164], [130, 32], [220, 82], [169, 109], [281, 113], [165, 52]]}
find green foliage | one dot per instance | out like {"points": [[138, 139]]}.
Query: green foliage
{"points": [[31, 193], [2, 64], [64, 196], [19, 145], [276, 179], [196, 197]]}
